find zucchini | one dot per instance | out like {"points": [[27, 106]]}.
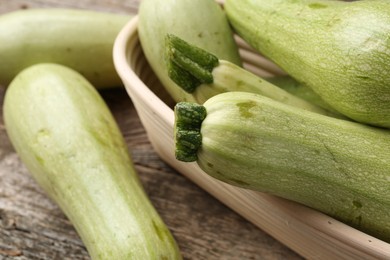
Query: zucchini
{"points": [[69, 141], [200, 22], [338, 167], [79, 39], [339, 49], [203, 75]]}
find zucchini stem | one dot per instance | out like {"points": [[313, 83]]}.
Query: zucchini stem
{"points": [[188, 139], [188, 65]]}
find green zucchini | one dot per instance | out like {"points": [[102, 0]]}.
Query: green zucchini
{"points": [[203, 75], [339, 49], [79, 39], [69, 141], [339, 167], [200, 22]]}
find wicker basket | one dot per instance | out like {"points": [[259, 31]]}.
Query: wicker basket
{"points": [[306, 231]]}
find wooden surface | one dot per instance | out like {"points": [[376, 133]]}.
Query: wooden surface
{"points": [[33, 227]]}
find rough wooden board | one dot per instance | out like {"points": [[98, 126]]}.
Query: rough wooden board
{"points": [[33, 227]]}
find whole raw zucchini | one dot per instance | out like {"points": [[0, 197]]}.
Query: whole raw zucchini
{"points": [[69, 141], [79, 39], [339, 167], [203, 75]]}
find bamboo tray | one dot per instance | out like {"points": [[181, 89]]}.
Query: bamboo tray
{"points": [[308, 232]]}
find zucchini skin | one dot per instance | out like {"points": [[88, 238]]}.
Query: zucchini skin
{"points": [[339, 49], [79, 39], [66, 136], [338, 167], [202, 23]]}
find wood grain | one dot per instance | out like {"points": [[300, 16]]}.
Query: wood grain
{"points": [[33, 227]]}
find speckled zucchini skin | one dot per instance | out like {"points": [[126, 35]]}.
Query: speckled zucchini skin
{"points": [[339, 49], [79, 39], [339, 167], [69, 141]]}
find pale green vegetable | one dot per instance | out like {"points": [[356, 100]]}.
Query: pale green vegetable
{"points": [[79, 39], [338, 167], [339, 49], [69, 141], [203, 75], [201, 22]]}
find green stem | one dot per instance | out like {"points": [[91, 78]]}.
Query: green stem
{"points": [[188, 65], [188, 139]]}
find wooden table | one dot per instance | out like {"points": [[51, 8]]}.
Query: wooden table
{"points": [[33, 227]]}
